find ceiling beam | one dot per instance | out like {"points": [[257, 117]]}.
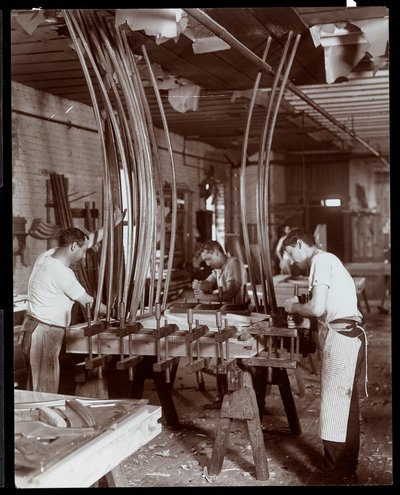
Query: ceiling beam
{"points": [[221, 32]]}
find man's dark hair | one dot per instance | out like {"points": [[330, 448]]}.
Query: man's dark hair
{"points": [[211, 246], [295, 235], [72, 235]]}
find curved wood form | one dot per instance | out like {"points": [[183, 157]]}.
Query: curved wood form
{"points": [[160, 223], [173, 176], [267, 174], [263, 229], [75, 31], [131, 169], [261, 213], [243, 209]]}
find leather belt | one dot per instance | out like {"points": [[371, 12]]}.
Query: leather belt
{"points": [[43, 322]]}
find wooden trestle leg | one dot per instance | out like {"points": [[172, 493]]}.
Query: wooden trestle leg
{"points": [[280, 378], [143, 371], [240, 403]]}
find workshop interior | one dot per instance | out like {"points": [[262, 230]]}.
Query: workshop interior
{"points": [[197, 125]]}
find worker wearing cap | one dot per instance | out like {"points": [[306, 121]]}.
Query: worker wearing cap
{"points": [[52, 290], [342, 342]]}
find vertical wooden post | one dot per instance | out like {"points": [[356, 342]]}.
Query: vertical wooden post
{"points": [[240, 403]]}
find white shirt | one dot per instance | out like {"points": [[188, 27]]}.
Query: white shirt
{"points": [[327, 269], [52, 290], [232, 270]]}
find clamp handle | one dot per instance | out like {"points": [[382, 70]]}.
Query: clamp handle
{"points": [[122, 314], [88, 310]]}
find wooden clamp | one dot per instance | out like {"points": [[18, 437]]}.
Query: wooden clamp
{"points": [[165, 330], [194, 335], [197, 332], [89, 331], [122, 331], [158, 334], [220, 349], [264, 328], [224, 336]]}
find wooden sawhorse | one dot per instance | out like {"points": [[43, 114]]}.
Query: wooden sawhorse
{"points": [[244, 400], [240, 403], [143, 371]]}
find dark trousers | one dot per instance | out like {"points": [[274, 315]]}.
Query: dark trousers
{"points": [[341, 459]]}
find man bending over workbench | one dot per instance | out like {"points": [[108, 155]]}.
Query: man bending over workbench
{"points": [[342, 341], [52, 290], [228, 276]]}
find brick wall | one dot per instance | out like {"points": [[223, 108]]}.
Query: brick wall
{"points": [[54, 135]]}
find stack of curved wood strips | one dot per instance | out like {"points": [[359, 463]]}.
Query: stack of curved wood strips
{"points": [[132, 172], [263, 184], [132, 177]]}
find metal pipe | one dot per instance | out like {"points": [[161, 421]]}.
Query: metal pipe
{"points": [[68, 123], [222, 33]]}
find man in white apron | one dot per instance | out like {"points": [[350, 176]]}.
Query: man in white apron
{"points": [[342, 342], [52, 290]]}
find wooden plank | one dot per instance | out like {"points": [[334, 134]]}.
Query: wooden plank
{"points": [[98, 457], [274, 362], [209, 319], [143, 344]]}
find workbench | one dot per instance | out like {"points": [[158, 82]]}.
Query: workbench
{"points": [[20, 306], [144, 344], [100, 456], [367, 268], [373, 271]]}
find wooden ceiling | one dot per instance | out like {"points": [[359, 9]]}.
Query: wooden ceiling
{"points": [[45, 60]]}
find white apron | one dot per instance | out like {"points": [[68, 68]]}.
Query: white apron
{"points": [[337, 375]]}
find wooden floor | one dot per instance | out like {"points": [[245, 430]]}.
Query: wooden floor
{"points": [[179, 457]]}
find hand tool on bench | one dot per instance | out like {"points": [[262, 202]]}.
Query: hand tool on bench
{"points": [[89, 331], [123, 330]]}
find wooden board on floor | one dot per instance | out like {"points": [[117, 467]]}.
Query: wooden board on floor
{"points": [[97, 457]]}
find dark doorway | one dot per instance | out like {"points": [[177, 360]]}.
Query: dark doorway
{"points": [[333, 218]]}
